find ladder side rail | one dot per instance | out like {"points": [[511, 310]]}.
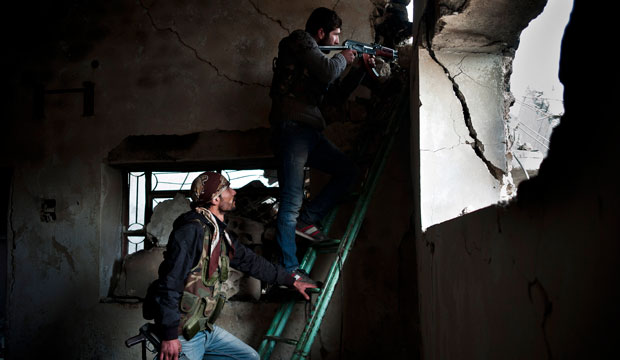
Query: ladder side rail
{"points": [[285, 310], [268, 345], [310, 330]]}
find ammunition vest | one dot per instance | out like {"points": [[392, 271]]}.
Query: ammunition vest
{"points": [[203, 298], [291, 78]]}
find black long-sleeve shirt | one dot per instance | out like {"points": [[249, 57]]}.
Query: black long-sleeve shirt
{"points": [[183, 253]]}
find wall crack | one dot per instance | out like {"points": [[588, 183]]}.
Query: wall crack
{"points": [[442, 148], [192, 49], [64, 251], [476, 145], [547, 308], [279, 22], [536, 291], [462, 72]]}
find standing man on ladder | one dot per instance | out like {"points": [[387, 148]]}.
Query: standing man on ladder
{"points": [[187, 298], [303, 77]]}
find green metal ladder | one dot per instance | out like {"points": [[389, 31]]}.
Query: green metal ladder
{"points": [[306, 339]]}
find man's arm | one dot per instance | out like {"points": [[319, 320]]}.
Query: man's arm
{"points": [[321, 67], [247, 261]]}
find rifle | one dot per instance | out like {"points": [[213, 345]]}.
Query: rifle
{"points": [[365, 51]]}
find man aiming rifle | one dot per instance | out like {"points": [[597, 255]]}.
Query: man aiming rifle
{"points": [[366, 52]]}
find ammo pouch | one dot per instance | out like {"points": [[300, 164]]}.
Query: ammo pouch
{"points": [[220, 274], [201, 312], [202, 300]]}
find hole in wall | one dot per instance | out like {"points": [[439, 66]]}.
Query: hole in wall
{"points": [[48, 210], [465, 93], [537, 90]]}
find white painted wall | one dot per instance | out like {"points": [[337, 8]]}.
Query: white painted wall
{"points": [[454, 180]]}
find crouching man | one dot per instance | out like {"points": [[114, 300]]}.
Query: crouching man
{"points": [[186, 298]]}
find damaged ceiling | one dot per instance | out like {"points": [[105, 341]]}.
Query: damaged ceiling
{"points": [[477, 26]]}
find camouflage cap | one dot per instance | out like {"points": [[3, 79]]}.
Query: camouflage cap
{"points": [[207, 186]]}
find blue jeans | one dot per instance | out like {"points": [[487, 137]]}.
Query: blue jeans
{"points": [[218, 344], [297, 146]]}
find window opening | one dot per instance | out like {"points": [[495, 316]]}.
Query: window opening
{"points": [[537, 90], [155, 187], [135, 224], [410, 10]]}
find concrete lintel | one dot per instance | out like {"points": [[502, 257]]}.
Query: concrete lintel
{"points": [[245, 148]]}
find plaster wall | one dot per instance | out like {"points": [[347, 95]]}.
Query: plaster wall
{"points": [[158, 68], [530, 279], [462, 133]]}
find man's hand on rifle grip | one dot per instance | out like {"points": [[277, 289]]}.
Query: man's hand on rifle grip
{"points": [[349, 55]]}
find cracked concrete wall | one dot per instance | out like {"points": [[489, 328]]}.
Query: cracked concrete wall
{"points": [[534, 278], [462, 133], [466, 80], [528, 280], [159, 68]]}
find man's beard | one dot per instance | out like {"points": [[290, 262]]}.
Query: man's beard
{"points": [[227, 207], [324, 42]]}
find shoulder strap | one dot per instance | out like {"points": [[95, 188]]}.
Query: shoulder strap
{"points": [[205, 241]]}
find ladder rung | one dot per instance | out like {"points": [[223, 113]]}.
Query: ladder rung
{"points": [[326, 244], [313, 290], [282, 339], [327, 250]]}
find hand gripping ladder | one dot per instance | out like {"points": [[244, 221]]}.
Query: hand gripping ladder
{"points": [[306, 339]]}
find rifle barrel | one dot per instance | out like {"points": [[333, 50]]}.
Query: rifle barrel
{"points": [[333, 47]]}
